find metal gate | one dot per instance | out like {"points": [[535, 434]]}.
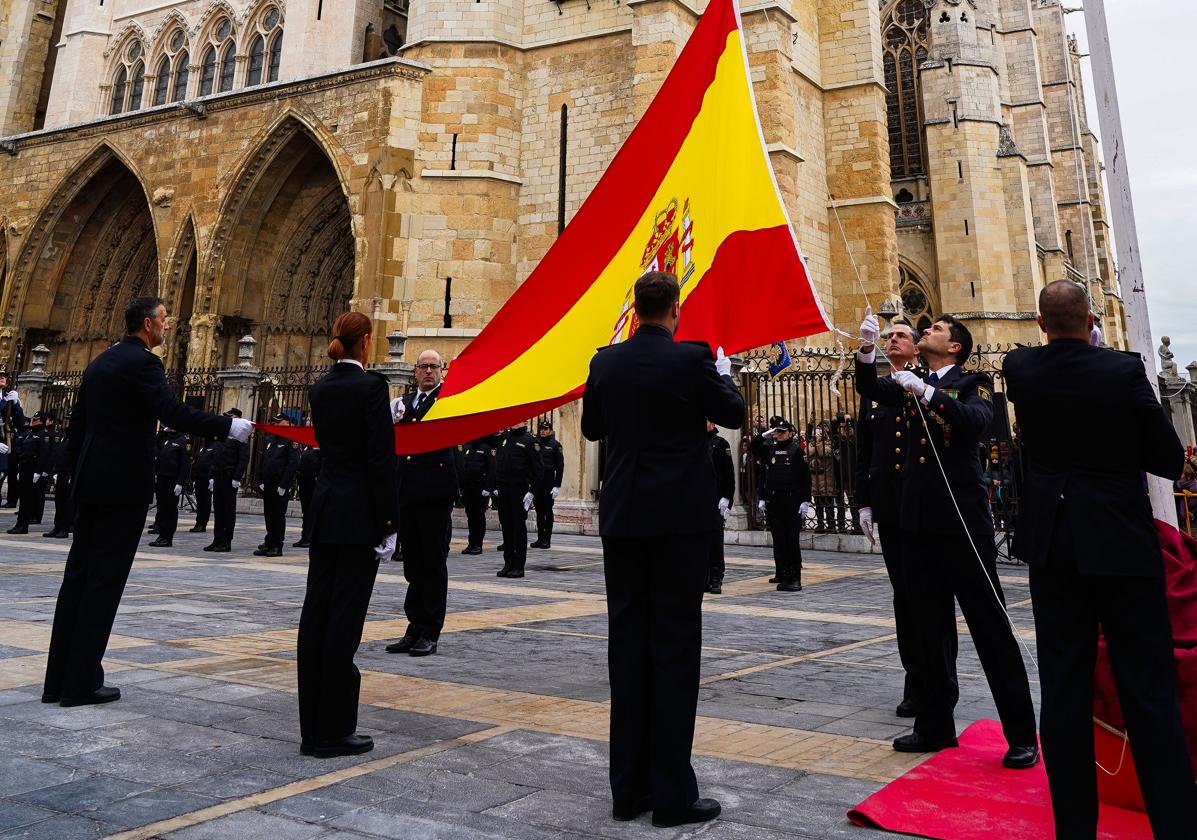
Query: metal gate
{"points": [[279, 391], [60, 393]]}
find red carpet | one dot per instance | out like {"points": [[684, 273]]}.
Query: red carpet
{"points": [[965, 793]]}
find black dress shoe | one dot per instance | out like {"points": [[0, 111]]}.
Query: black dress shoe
{"points": [[261, 551], [197, 529], [715, 588], [302, 544], [500, 546], [261, 547], [18, 529], [423, 647], [701, 810], [774, 580], [628, 811], [916, 743], [1021, 758], [403, 645], [503, 572], [211, 546], [789, 586], [103, 694], [907, 709], [220, 547], [55, 534], [153, 529], [161, 542], [50, 697], [477, 549], [538, 544], [349, 745], [515, 573]]}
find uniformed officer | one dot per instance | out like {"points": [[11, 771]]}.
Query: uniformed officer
{"points": [[307, 472], [201, 476], [477, 486], [883, 439], [12, 420], [63, 469], [50, 438], [518, 468], [228, 470], [170, 477], [725, 486], [32, 455], [544, 492], [276, 474], [783, 490], [948, 535], [18, 474]]}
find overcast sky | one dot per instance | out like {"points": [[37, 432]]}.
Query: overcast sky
{"points": [[1152, 42]]}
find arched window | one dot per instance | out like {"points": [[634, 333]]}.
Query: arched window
{"points": [[228, 64], [128, 80], [257, 61], [905, 27], [208, 72], [219, 58], [266, 47], [276, 56], [917, 305], [162, 82], [182, 74], [171, 82]]}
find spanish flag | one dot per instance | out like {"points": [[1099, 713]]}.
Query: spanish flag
{"points": [[691, 192]]}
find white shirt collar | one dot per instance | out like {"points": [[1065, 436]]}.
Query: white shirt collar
{"points": [[420, 393], [943, 371], [351, 362]]}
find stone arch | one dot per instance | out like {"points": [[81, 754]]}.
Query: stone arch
{"points": [[157, 42], [94, 246], [3, 256], [283, 253], [177, 288], [212, 14], [920, 303], [128, 33], [252, 14]]}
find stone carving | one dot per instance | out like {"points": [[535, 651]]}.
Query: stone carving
{"points": [[1168, 359], [163, 196]]}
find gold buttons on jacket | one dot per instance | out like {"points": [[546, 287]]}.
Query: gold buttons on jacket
{"points": [[922, 460], [897, 434], [923, 441], [898, 451], [897, 466]]}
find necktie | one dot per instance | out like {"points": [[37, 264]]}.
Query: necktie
{"points": [[933, 379], [420, 401]]}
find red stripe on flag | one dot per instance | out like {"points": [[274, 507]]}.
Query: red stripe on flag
{"points": [[608, 217], [727, 309]]}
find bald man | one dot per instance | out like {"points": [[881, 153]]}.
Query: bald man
{"points": [[1091, 426]]}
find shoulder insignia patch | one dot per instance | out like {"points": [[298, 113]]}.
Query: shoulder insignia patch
{"points": [[984, 394], [954, 393]]}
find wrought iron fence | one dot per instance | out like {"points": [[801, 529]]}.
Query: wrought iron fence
{"points": [[60, 393], [200, 388], [279, 391]]}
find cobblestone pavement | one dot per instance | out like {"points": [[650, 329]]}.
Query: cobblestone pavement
{"points": [[500, 735]]}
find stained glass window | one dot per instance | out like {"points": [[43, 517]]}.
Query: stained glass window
{"points": [[906, 40]]}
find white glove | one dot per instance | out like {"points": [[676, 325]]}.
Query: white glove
{"points": [[724, 505], [486, 494], [11, 396], [240, 429], [385, 551], [722, 363], [761, 505], [911, 382], [211, 484], [178, 489], [495, 492], [236, 484], [768, 433], [55, 477], [866, 522], [554, 492], [398, 409], [3, 448], [37, 477], [804, 509], [527, 501], [262, 487], [870, 328], [1095, 336], [282, 491]]}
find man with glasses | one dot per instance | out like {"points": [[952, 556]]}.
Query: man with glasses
{"points": [[428, 487]]}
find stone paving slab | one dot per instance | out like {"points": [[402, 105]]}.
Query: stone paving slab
{"points": [[500, 735]]}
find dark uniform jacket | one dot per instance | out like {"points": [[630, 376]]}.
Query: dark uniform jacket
{"points": [[309, 464], [721, 460], [882, 438], [519, 466], [280, 460], [354, 502], [174, 462], [427, 476], [60, 464], [957, 417], [478, 465], [19, 448], [229, 459], [202, 469], [1090, 426], [124, 395], [783, 468], [552, 461], [650, 398]]}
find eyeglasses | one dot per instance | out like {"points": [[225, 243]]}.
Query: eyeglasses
{"points": [[428, 367]]}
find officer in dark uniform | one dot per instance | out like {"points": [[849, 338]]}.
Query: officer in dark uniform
{"points": [[477, 486], [12, 420], [50, 438], [519, 467], [170, 477], [725, 486], [307, 473], [783, 490], [228, 470], [545, 491], [18, 472], [276, 474], [883, 439], [64, 504], [952, 411], [33, 466], [201, 476]]}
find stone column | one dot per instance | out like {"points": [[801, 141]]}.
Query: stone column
{"points": [[398, 373], [31, 383], [240, 382]]}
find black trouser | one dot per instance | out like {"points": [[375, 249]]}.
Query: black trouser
{"points": [[905, 607], [542, 499], [340, 582], [716, 565], [14, 484], [224, 504], [475, 508], [167, 517], [274, 511], [654, 612], [24, 495], [425, 528], [203, 501], [306, 487], [514, 520], [785, 524], [106, 538], [64, 505], [39, 498], [1133, 614], [942, 566]]}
